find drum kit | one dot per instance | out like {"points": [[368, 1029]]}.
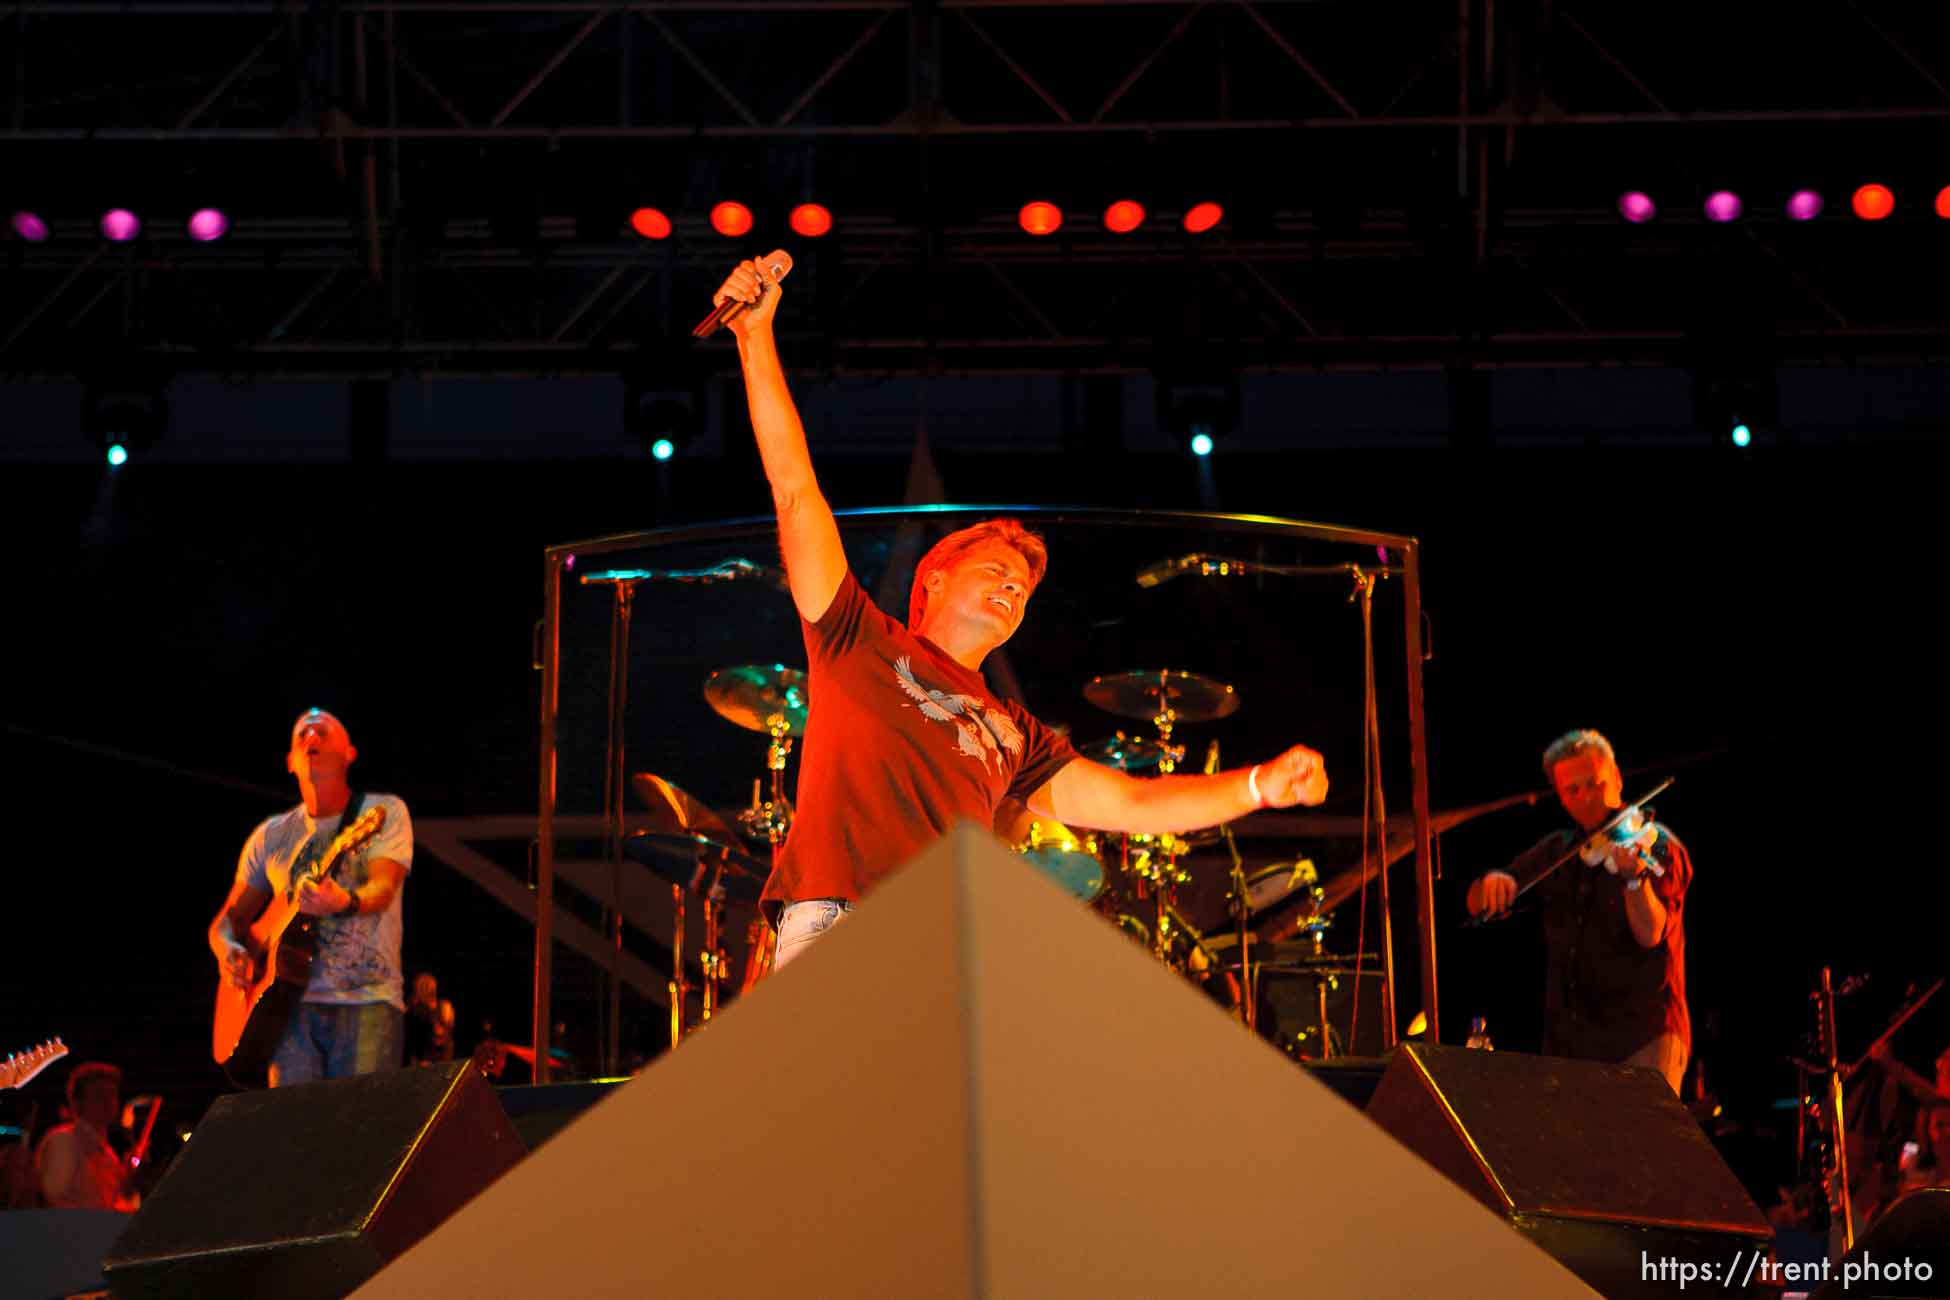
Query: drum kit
{"points": [[1136, 882]]}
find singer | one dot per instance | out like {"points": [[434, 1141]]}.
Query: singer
{"points": [[904, 737], [1614, 930]]}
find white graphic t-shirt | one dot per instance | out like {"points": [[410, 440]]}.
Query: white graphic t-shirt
{"points": [[358, 956]]}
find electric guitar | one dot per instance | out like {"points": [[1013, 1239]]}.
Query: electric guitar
{"points": [[17, 1069], [249, 1021]]}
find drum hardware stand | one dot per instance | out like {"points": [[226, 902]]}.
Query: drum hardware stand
{"points": [[1323, 981], [1159, 866], [712, 959], [770, 820], [1239, 905]]}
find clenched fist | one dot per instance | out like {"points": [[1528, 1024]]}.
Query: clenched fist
{"points": [[1297, 776]]}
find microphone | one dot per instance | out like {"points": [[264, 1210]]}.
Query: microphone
{"points": [[1164, 570], [771, 269]]}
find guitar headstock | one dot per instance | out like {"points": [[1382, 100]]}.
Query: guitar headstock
{"points": [[17, 1069]]}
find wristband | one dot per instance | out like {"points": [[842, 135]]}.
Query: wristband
{"points": [[1252, 787]]}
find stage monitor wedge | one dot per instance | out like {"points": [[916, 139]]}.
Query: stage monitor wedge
{"points": [[973, 1087], [1598, 1164], [302, 1193]]}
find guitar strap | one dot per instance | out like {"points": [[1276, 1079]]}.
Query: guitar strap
{"points": [[315, 847], [350, 814]]}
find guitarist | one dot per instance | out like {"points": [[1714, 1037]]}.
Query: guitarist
{"points": [[351, 1018]]}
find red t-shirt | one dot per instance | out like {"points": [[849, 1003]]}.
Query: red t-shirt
{"points": [[901, 743]]}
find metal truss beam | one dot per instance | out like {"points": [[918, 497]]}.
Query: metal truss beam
{"points": [[904, 130], [451, 41]]}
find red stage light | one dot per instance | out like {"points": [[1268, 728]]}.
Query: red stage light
{"points": [[1874, 202], [1123, 216], [1040, 218], [1943, 203], [810, 220], [1201, 217], [731, 219], [650, 223]]}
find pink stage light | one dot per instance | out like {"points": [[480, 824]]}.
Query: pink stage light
{"points": [[1803, 205], [119, 225], [1723, 206], [30, 227], [207, 224], [1636, 207]]}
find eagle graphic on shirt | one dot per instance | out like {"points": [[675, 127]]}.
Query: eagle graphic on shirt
{"points": [[979, 730]]}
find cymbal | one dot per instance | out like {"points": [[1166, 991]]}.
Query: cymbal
{"points": [[1129, 753], [755, 696], [673, 809], [1147, 692], [689, 858]]}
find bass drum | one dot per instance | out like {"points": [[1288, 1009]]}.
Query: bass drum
{"points": [[1069, 859]]}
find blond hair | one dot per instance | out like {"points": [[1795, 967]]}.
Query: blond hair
{"points": [[1010, 532], [1573, 743]]}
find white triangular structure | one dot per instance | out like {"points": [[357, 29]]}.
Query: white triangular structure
{"points": [[973, 1088]]}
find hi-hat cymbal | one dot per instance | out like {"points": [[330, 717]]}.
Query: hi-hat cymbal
{"points": [[674, 809], [759, 697], [1148, 692], [1130, 753]]}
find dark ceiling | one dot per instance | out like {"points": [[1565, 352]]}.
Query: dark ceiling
{"points": [[433, 185]]}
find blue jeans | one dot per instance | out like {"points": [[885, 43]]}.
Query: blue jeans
{"points": [[325, 1041], [801, 923]]}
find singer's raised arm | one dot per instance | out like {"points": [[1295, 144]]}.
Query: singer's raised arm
{"points": [[809, 539]]}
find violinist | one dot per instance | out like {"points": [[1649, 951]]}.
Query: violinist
{"points": [[1614, 923]]}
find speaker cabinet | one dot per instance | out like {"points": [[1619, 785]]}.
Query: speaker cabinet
{"points": [[1905, 1252], [307, 1191], [1597, 1164]]}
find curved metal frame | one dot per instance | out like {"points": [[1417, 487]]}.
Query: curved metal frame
{"points": [[557, 559]]}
